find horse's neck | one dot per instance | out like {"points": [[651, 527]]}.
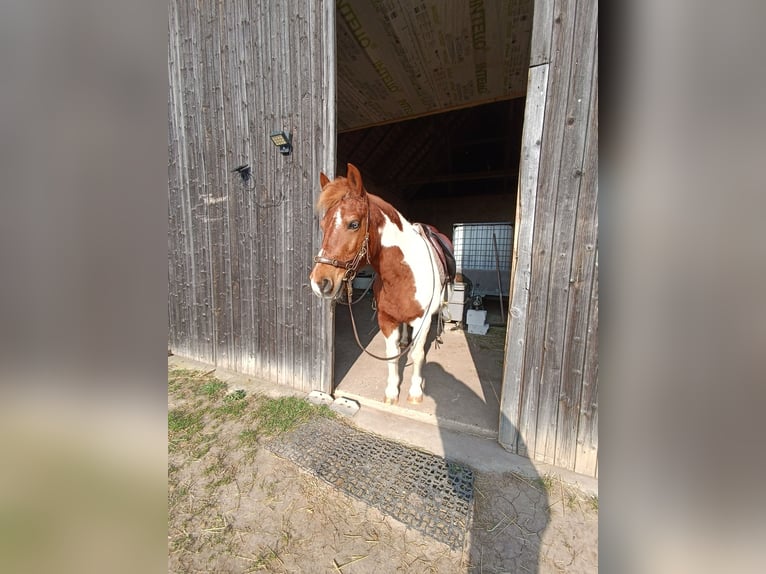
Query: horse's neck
{"points": [[385, 215]]}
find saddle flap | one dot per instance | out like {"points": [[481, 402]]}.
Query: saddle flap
{"points": [[443, 247]]}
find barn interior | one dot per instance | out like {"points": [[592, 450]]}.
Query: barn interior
{"points": [[430, 108]]}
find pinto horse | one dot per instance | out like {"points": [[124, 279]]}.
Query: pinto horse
{"points": [[413, 264]]}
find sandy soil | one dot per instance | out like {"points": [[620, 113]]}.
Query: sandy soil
{"points": [[235, 507]]}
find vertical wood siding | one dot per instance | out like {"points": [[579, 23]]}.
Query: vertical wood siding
{"points": [[550, 391], [240, 254]]}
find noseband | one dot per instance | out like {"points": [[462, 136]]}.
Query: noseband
{"points": [[352, 265]]}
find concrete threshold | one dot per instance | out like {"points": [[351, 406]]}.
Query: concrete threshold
{"points": [[423, 417]]}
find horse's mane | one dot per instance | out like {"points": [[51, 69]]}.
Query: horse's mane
{"points": [[332, 193]]}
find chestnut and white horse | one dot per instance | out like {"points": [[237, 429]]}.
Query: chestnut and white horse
{"points": [[410, 270]]}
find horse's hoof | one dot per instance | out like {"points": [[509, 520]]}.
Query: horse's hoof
{"points": [[389, 401], [416, 400]]}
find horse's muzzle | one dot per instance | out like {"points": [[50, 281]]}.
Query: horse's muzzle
{"points": [[324, 287]]}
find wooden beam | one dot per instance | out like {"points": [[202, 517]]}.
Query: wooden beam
{"points": [[509, 435], [473, 104]]}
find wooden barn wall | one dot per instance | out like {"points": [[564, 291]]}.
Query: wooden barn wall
{"points": [[240, 253], [550, 397]]}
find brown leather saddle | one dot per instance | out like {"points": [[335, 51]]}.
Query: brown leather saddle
{"points": [[443, 248]]}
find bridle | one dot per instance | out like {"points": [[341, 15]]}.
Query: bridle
{"points": [[352, 265]]}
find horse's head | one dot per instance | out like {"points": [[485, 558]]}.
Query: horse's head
{"points": [[345, 227]]}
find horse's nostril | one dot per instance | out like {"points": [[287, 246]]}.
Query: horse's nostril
{"points": [[326, 285]]}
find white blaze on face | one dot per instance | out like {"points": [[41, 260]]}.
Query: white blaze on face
{"points": [[338, 219], [418, 257]]}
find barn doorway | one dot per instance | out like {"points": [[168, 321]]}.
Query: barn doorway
{"points": [[430, 108], [463, 176]]}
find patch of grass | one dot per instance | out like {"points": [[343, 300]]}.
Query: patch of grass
{"points": [[212, 388], [592, 502], [281, 415], [183, 421], [545, 482], [183, 374], [183, 381], [184, 427], [248, 437], [234, 404]]}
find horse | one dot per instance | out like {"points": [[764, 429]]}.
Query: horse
{"points": [[413, 266]]}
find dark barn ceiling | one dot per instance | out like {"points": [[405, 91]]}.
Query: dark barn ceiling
{"points": [[471, 151]]}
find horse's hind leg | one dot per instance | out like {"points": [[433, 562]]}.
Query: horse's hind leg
{"points": [[418, 356]]}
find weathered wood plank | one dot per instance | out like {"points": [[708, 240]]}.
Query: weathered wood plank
{"points": [[324, 346], [214, 196], [585, 241], [178, 313], [514, 385], [542, 29], [309, 116], [539, 417], [194, 188], [586, 461], [265, 316], [576, 89], [231, 120], [246, 154]]}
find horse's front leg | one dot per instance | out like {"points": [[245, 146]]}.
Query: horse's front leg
{"points": [[418, 356], [392, 349]]}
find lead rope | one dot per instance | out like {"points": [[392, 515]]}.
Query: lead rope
{"points": [[404, 351]]}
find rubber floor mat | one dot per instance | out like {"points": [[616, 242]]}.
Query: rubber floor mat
{"points": [[423, 491]]}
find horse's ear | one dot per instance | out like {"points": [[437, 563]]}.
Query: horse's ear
{"points": [[355, 179], [323, 179]]}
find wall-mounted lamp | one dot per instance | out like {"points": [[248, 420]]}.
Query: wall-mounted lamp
{"points": [[283, 141]]}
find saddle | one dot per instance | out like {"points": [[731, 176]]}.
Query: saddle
{"points": [[443, 249]]}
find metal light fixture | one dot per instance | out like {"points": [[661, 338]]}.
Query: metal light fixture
{"points": [[283, 141]]}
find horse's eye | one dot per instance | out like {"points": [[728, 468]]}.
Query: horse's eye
{"points": [[353, 225]]}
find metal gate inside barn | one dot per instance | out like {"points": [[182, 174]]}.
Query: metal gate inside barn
{"points": [[241, 242], [483, 253]]}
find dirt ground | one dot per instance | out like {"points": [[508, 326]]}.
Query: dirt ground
{"points": [[233, 506]]}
